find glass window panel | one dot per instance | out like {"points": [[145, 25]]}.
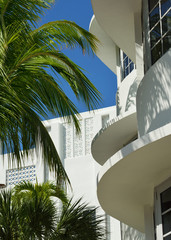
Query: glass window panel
{"points": [[126, 72], [126, 62], [152, 3], [124, 55], [168, 237], [167, 42], [131, 66], [165, 5], [156, 53], [166, 23], [166, 221], [166, 200], [154, 16], [155, 35]]}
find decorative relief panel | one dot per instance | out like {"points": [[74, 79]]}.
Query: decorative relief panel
{"points": [[78, 141], [88, 134], [17, 175], [67, 140]]}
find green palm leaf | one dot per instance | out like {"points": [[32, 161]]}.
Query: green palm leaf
{"points": [[29, 91]]}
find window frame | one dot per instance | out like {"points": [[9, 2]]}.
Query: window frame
{"points": [[157, 210], [162, 35]]}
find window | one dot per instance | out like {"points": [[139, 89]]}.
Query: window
{"points": [[17, 175], [163, 211], [160, 27], [127, 65]]}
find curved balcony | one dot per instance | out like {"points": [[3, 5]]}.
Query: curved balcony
{"points": [[126, 181], [154, 96], [116, 18], [116, 133], [106, 51]]}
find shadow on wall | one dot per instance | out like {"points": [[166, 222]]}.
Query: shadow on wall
{"points": [[131, 99], [129, 233], [126, 93], [154, 96]]}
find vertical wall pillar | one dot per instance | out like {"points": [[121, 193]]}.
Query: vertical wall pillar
{"points": [[146, 36], [138, 46], [56, 133], [149, 223]]}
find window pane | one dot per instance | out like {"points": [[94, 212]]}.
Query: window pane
{"points": [[156, 53], [131, 66], [166, 200], [126, 62], [152, 3], [165, 5], [166, 220], [124, 55], [166, 42], [154, 16], [166, 23], [168, 237], [126, 72], [155, 35]]}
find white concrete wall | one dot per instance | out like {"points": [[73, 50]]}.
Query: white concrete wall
{"points": [[154, 96], [82, 170], [126, 94]]}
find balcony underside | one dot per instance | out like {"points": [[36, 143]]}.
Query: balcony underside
{"points": [[106, 51], [116, 18], [117, 133], [127, 180]]}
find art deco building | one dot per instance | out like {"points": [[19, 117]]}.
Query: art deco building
{"points": [[75, 153], [134, 149]]}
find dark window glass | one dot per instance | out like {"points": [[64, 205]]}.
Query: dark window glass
{"points": [[166, 200], [131, 66], [168, 237], [126, 62], [126, 72], [167, 42], [152, 3], [154, 16], [165, 5], [124, 55], [166, 23], [156, 53], [166, 220], [155, 35]]}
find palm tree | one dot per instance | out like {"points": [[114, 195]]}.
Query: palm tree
{"points": [[80, 222], [9, 225], [29, 91], [31, 212]]}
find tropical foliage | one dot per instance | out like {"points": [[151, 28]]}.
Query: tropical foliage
{"points": [[43, 212], [28, 90]]}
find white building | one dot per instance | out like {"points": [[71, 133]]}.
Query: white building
{"points": [[75, 153], [134, 149]]}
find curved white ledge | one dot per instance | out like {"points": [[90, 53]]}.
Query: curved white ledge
{"points": [[127, 180], [116, 18], [116, 133], [106, 51]]}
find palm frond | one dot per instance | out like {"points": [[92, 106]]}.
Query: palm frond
{"points": [[64, 34], [29, 91], [78, 221]]}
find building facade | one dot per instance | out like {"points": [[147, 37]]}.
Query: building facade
{"points": [[75, 153], [133, 149]]}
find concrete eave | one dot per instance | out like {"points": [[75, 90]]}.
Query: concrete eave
{"points": [[116, 133], [126, 181], [116, 18]]}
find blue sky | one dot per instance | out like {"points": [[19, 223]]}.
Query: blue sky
{"points": [[80, 11]]}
